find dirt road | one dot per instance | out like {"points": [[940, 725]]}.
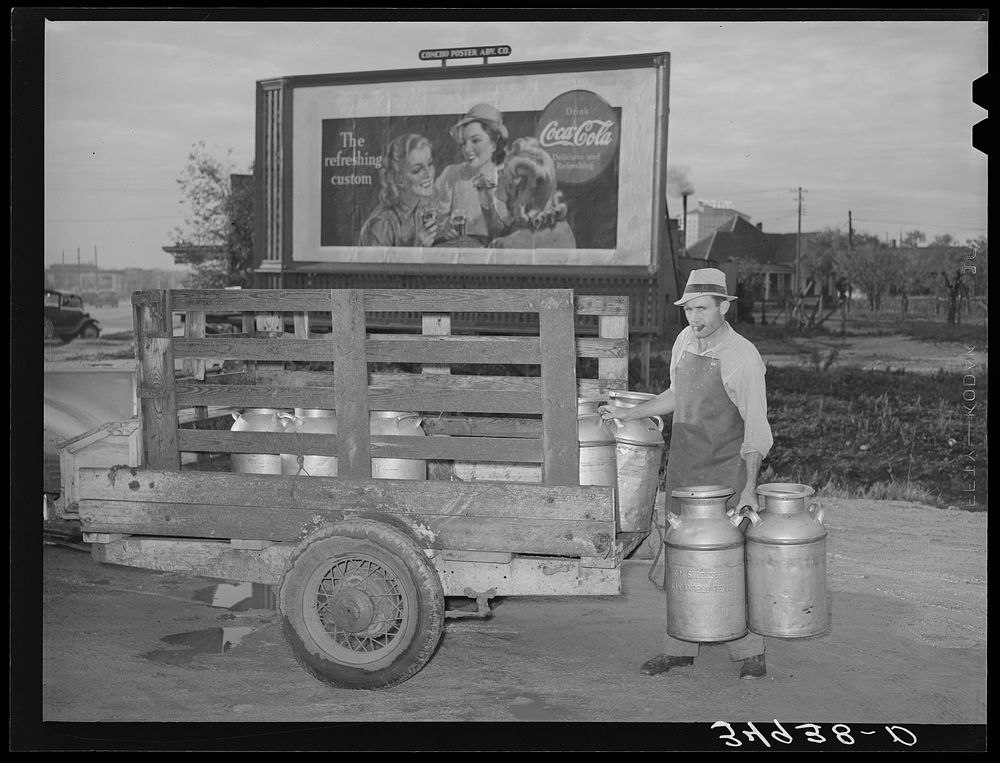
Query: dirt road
{"points": [[907, 647]]}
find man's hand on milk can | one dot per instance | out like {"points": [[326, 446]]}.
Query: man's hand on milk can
{"points": [[748, 499]]}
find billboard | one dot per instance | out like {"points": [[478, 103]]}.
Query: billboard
{"points": [[509, 164]]}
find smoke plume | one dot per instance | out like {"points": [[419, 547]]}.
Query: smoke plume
{"points": [[679, 181]]}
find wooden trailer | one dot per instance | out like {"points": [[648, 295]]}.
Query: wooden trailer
{"points": [[364, 565]]}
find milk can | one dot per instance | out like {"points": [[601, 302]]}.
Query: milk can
{"points": [[597, 455], [310, 421], [397, 423], [256, 420], [597, 445], [638, 453], [786, 564], [704, 575]]}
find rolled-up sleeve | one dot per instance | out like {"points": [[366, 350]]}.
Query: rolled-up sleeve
{"points": [[744, 383]]}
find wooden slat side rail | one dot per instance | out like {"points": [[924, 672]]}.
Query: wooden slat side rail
{"points": [[554, 350], [483, 426], [481, 395], [435, 324], [395, 349], [194, 328], [476, 499], [251, 300], [588, 347], [614, 369], [489, 448], [155, 371], [456, 300], [599, 305], [378, 300], [414, 348], [543, 535], [350, 373], [557, 336]]}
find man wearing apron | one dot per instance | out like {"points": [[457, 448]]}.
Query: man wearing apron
{"points": [[720, 433]]}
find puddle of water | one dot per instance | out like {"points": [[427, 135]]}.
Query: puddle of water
{"points": [[207, 641], [238, 597]]}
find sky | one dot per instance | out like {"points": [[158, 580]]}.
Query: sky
{"points": [[869, 118]]}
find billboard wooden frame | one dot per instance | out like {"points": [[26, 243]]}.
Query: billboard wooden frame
{"points": [[275, 201]]}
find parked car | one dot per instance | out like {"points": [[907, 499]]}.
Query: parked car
{"points": [[65, 318]]}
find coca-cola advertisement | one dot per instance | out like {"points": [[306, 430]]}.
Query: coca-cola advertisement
{"points": [[554, 169]]}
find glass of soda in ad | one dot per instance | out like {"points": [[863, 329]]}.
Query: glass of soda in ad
{"points": [[427, 217], [458, 221]]}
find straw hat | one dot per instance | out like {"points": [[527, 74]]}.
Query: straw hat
{"points": [[709, 282], [481, 112]]}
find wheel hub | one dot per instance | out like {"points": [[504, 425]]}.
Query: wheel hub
{"points": [[350, 609]]}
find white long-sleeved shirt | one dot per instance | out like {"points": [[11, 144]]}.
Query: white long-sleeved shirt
{"points": [[742, 377]]}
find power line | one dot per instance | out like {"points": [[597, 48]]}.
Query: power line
{"points": [[924, 223]]}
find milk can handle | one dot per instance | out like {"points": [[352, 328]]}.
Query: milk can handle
{"points": [[673, 519], [746, 512], [659, 422], [410, 416], [285, 418], [606, 424], [816, 509]]}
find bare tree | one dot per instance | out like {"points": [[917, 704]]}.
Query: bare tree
{"points": [[960, 268], [869, 266]]}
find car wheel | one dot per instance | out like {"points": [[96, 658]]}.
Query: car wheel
{"points": [[362, 607], [90, 331]]}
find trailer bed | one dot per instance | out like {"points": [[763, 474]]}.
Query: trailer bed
{"points": [[551, 537]]}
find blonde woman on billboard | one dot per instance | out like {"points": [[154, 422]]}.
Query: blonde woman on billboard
{"points": [[405, 215], [472, 202], [538, 211]]}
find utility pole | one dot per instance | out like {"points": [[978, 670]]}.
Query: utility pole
{"points": [[798, 257], [798, 249], [798, 240], [850, 232], [79, 269]]}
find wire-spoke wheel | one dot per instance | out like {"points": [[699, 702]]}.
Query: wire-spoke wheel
{"points": [[362, 606]]}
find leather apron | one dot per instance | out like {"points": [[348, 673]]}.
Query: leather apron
{"points": [[707, 431]]}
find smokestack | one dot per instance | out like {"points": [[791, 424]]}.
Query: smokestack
{"points": [[684, 201], [680, 184]]}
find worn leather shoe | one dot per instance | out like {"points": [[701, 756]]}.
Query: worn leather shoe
{"points": [[664, 662], [753, 667]]}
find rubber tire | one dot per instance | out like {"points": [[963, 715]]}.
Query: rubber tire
{"points": [[423, 605], [90, 331]]}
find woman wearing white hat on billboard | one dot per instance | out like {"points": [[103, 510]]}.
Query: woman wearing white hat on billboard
{"points": [[471, 200], [719, 434]]}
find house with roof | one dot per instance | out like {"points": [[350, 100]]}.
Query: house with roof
{"points": [[771, 255], [706, 218]]}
